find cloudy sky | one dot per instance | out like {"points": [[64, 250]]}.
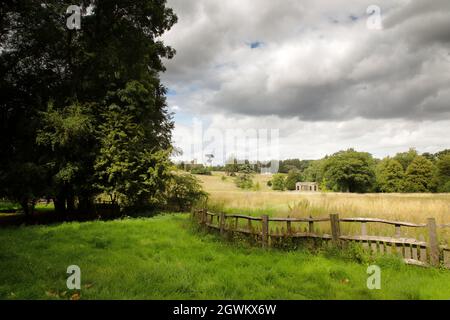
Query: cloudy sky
{"points": [[322, 73]]}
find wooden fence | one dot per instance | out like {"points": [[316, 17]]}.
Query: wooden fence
{"points": [[414, 251]]}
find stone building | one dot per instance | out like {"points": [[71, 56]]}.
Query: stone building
{"points": [[307, 187]]}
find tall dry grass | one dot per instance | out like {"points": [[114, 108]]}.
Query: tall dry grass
{"points": [[402, 207], [224, 196]]}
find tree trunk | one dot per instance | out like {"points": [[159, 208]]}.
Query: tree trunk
{"points": [[60, 205], [85, 203], [25, 206], [70, 204]]}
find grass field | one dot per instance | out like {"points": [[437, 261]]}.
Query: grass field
{"points": [[226, 197], [166, 257]]}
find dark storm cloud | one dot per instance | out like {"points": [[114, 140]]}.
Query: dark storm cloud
{"points": [[309, 66]]}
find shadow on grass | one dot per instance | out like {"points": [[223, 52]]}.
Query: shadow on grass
{"points": [[46, 215]]}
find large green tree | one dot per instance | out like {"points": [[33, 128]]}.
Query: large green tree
{"points": [[314, 171], [406, 158], [443, 173], [59, 85], [278, 182], [390, 175], [419, 175], [292, 178], [349, 171]]}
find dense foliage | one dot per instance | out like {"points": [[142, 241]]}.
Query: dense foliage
{"points": [[353, 171], [390, 175], [294, 176], [201, 170], [349, 171], [244, 181], [278, 182], [184, 192], [83, 112]]}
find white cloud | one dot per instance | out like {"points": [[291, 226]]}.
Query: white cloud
{"points": [[314, 140], [321, 77]]}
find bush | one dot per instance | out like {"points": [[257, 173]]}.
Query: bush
{"points": [[244, 181], [278, 182], [292, 178], [201, 170], [445, 188], [184, 192]]}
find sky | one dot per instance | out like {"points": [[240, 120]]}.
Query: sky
{"points": [[313, 76]]}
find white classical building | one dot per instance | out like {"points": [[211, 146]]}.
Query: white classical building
{"points": [[307, 186]]}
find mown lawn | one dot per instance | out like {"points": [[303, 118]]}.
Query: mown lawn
{"points": [[166, 258]]}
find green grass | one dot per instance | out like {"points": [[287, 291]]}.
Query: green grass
{"points": [[13, 207], [167, 258], [7, 205]]}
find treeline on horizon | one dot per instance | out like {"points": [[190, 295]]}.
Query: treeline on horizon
{"points": [[353, 171]]}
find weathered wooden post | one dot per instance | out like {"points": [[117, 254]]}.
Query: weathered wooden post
{"points": [[363, 229], [204, 216], [222, 223], [335, 228], [265, 231], [310, 226], [364, 234], [398, 232], [433, 242]]}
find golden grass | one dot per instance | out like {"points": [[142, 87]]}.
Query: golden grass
{"points": [[225, 196], [221, 182]]}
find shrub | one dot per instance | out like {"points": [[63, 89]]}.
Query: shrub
{"points": [[201, 170], [184, 192], [292, 178], [278, 182], [445, 188], [244, 181]]}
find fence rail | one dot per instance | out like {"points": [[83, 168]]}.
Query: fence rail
{"points": [[414, 251]]}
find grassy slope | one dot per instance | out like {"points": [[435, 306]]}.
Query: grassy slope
{"points": [[163, 257]]}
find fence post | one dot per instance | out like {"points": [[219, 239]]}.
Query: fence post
{"points": [[311, 226], [398, 233], [433, 242], [289, 228], [335, 228], [204, 215], [265, 231], [222, 223]]}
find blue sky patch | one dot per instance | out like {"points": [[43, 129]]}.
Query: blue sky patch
{"points": [[255, 44]]}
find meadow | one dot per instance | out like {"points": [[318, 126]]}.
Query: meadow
{"points": [[224, 196], [167, 257]]}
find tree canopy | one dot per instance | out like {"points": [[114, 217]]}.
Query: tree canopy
{"points": [[84, 110], [349, 171], [419, 175], [390, 175]]}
